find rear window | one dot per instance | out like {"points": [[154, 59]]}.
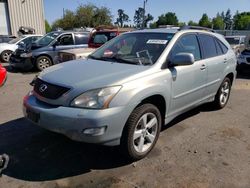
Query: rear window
{"points": [[208, 45], [102, 37]]}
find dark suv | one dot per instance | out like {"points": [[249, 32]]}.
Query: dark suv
{"points": [[43, 53]]}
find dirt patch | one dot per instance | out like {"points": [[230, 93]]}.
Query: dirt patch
{"points": [[231, 133]]}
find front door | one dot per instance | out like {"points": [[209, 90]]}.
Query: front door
{"points": [[188, 82]]}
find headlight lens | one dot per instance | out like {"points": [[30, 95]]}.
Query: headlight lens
{"points": [[26, 54], [96, 99]]}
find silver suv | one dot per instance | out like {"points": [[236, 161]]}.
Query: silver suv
{"points": [[125, 91]]}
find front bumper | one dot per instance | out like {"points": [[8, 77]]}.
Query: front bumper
{"points": [[73, 121], [21, 63]]}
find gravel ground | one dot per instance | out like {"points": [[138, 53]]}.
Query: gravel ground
{"points": [[202, 148]]}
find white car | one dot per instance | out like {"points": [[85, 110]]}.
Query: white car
{"points": [[6, 49]]}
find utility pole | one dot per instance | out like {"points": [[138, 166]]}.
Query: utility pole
{"points": [[144, 13]]}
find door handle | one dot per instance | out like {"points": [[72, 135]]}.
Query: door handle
{"points": [[203, 67]]}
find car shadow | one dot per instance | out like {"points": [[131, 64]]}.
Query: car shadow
{"points": [[244, 74], [15, 70], [40, 155]]}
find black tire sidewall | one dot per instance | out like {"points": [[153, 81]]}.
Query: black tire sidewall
{"points": [[127, 137]]}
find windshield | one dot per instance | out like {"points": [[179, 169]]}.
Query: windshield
{"points": [[47, 39], [134, 48], [233, 40], [13, 41]]}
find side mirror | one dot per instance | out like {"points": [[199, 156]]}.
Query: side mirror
{"points": [[56, 43], [182, 59]]}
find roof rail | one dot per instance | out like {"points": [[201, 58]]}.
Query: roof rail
{"points": [[196, 27]]}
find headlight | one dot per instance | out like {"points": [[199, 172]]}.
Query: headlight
{"points": [[96, 99], [26, 55]]}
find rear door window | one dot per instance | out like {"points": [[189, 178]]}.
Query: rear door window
{"points": [[218, 47], [208, 46], [81, 39]]}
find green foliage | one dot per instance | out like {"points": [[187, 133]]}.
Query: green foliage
{"points": [[242, 21], [47, 27], [192, 23], [169, 18], [122, 17], [138, 17], [204, 21], [86, 15], [218, 22]]}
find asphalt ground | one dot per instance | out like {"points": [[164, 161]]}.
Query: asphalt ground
{"points": [[199, 149]]}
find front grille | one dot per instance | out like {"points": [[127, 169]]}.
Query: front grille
{"points": [[248, 59], [49, 91]]}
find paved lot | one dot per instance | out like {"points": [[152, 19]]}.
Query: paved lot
{"points": [[202, 148]]}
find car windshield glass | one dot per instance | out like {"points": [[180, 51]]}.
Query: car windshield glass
{"points": [[134, 48], [233, 40], [13, 41], [47, 39]]}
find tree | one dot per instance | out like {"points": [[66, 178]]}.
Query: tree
{"points": [[47, 27], [169, 18], [242, 21], [138, 17], [122, 17], [86, 15], [192, 23], [228, 20], [204, 21], [148, 18], [218, 22]]}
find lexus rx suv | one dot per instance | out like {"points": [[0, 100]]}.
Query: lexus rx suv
{"points": [[126, 90]]}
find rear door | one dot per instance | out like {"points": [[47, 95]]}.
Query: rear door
{"points": [[216, 61], [188, 83]]}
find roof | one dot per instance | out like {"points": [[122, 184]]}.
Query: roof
{"points": [[158, 30]]}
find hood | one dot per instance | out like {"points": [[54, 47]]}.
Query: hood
{"points": [[90, 74]]}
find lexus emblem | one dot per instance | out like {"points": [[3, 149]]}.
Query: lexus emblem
{"points": [[43, 87]]}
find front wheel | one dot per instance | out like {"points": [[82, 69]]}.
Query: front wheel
{"points": [[5, 55], [141, 131], [223, 94], [43, 62]]}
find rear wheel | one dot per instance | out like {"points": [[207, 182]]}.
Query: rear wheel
{"points": [[223, 94], [5, 55], [141, 131], [43, 62]]}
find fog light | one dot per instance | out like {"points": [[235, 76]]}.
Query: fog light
{"points": [[95, 131]]}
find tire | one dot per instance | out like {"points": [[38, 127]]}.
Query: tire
{"points": [[139, 139], [5, 55], [223, 94], [43, 62]]}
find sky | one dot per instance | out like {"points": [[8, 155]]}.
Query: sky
{"points": [[185, 10]]}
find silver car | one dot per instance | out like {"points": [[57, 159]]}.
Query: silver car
{"points": [[125, 91]]}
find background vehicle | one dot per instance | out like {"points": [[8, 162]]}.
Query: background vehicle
{"points": [[3, 75], [243, 61], [44, 52], [6, 38], [104, 34], [238, 43], [127, 89], [72, 54], [6, 49]]}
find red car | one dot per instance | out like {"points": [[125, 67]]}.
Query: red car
{"points": [[102, 34], [3, 75]]}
